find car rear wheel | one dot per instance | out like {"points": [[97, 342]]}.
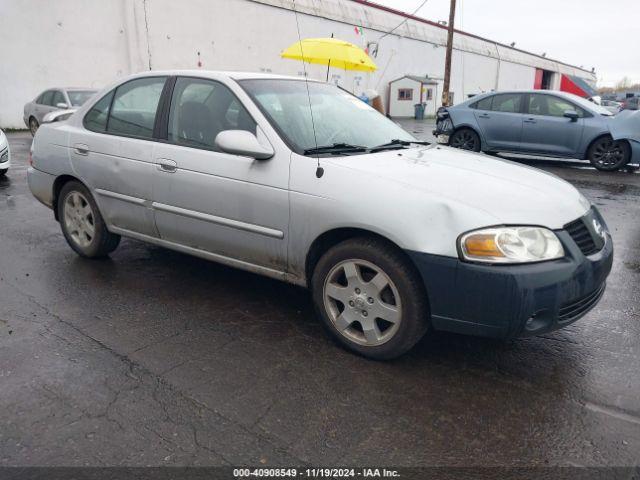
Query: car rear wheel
{"points": [[3, 172], [82, 224], [465, 139], [33, 126], [370, 298], [607, 154]]}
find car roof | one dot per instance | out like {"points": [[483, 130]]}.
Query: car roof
{"points": [[550, 92], [216, 74]]}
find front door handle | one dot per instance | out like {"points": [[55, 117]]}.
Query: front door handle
{"points": [[167, 166], [81, 149]]}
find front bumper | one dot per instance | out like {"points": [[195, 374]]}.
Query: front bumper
{"points": [[507, 301]]}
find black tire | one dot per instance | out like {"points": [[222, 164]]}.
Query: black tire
{"points": [[608, 155], [101, 242], [3, 172], [413, 304], [33, 126], [465, 139]]}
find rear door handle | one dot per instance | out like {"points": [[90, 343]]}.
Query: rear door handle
{"points": [[484, 115], [167, 166], [81, 149], [529, 120]]}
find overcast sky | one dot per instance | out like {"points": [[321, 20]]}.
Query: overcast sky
{"points": [[591, 33]]}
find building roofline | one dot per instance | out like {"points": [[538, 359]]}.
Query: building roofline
{"points": [[472, 35]]}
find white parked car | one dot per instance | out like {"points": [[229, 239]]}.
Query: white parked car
{"points": [[612, 106], [393, 238], [5, 154]]}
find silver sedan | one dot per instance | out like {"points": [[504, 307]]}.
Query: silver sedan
{"points": [[52, 100], [304, 182]]}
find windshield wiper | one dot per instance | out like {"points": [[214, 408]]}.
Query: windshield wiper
{"points": [[395, 143], [336, 148]]}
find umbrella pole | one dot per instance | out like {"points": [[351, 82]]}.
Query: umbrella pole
{"points": [[328, 66]]}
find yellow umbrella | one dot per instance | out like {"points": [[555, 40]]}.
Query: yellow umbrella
{"points": [[331, 52]]}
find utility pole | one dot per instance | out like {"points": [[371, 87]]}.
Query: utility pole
{"points": [[447, 62]]}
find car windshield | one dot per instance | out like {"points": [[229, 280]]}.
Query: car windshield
{"points": [[78, 97], [339, 118]]}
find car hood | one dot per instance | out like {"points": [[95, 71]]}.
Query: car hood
{"points": [[625, 125], [509, 192]]}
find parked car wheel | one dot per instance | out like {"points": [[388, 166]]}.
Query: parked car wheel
{"points": [[370, 298], [3, 172], [33, 126], [465, 139], [607, 154], [82, 223]]}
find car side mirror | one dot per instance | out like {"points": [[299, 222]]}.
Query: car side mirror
{"points": [[572, 114], [57, 116], [241, 142], [62, 105]]}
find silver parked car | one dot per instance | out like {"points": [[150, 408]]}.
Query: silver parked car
{"points": [[611, 105], [52, 100], [306, 183]]}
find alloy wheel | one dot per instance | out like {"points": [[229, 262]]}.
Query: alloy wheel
{"points": [[465, 140], [79, 219], [608, 153], [362, 302]]}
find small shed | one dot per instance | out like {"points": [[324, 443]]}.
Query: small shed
{"points": [[405, 92]]}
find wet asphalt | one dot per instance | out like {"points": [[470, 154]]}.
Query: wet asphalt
{"points": [[152, 357]]}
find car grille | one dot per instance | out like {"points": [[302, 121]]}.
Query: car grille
{"points": [[584, 234], [571, 311]]}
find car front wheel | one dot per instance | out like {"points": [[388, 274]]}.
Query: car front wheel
{"points": [[3, 172], [607, 154], [82, 224], [370, 298], [465, 139], [33, 126]]}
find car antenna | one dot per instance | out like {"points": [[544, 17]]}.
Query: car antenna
{"points": [[319, 169]]}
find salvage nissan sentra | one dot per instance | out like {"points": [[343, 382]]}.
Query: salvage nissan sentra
{"points": [[304, 182]]}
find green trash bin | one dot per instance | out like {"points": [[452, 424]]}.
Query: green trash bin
{"points": [[419, 111]]}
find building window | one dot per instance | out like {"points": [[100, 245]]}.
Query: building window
{"points": [[405, 94], [429, 93]]}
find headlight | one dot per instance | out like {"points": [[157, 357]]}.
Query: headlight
{"points": [[511, 245]]}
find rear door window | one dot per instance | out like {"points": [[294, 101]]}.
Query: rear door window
{"points": [[484, 104], [46, 98], [134, 107], [96, 118], [507, 102]]}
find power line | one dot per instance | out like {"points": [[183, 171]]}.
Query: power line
{"points": [[404, 21]]}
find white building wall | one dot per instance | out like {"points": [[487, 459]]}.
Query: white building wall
{"points": [[90, 43], [514, 76]]}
